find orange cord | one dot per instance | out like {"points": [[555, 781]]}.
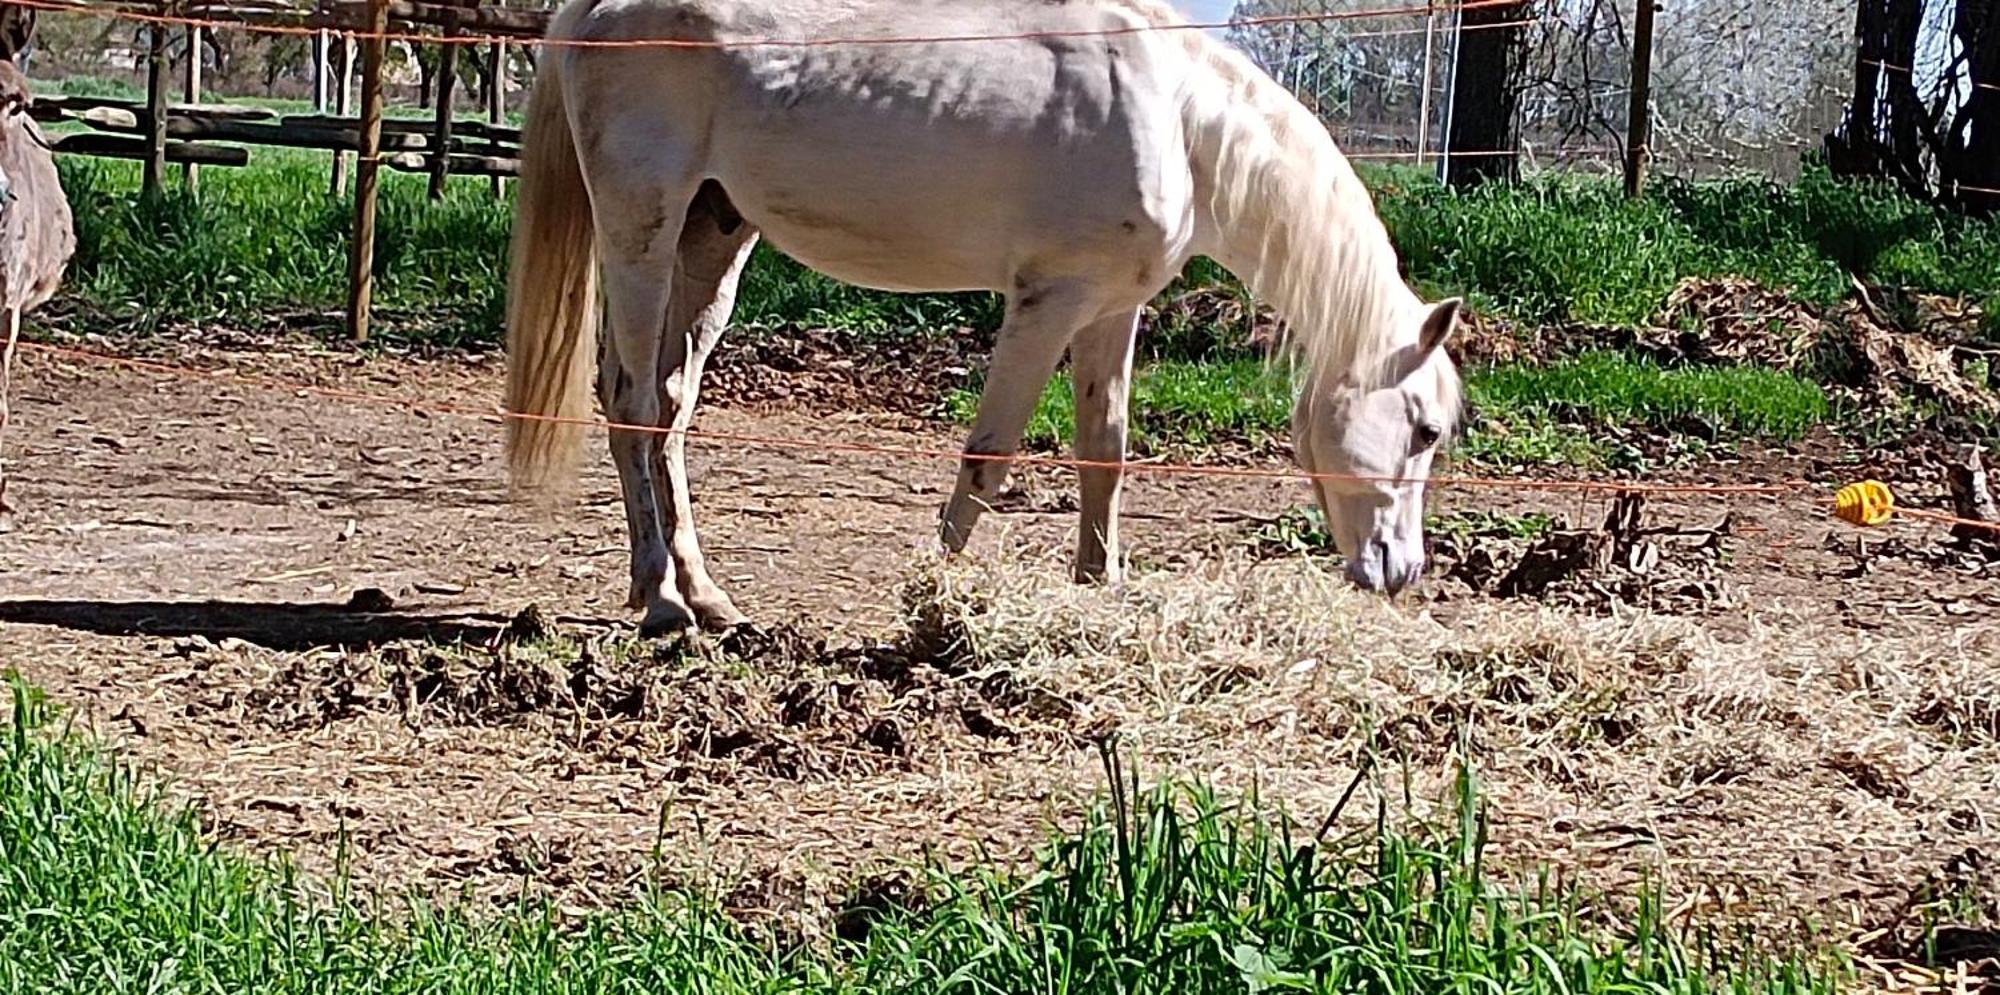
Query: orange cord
{"points": [[1867, 503], [60, 6], [869, 449]]}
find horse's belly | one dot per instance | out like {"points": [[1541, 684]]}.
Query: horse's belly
{"points": [[884, 246]]}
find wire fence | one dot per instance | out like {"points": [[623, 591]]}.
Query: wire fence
{"points": [[1380, 75], [1723, 96], [1861, 503]]}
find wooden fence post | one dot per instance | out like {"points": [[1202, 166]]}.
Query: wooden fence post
{"points": [[496, 101], [191, 173], [367, 170], [154, 175], [446, 82], [1639, 113], [1424, 97]]}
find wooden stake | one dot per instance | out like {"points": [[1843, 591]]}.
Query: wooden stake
{"points": [[154, 175], [496, 100], [191, 173], [1639, 113], [322, 46], [1971, 499], [367, 170], [446, 81]]}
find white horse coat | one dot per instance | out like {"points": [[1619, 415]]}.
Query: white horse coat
{"points": [[1071, 155]]}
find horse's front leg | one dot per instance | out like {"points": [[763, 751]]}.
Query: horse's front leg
{"points": [[1101, 363], [1041, 319]]}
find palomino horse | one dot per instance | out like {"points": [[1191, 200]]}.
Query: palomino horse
{"points": [[1073, 165]]}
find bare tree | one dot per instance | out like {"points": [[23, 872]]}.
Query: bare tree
{"points": [[1924, 114]]}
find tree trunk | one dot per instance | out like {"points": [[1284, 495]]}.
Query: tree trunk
{"points": [[1883, 135], [1972, 156], [1480, 143]]}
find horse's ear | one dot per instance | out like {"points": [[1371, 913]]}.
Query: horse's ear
{"points": [[1438, 326]]}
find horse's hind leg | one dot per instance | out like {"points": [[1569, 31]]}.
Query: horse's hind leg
{"points": [[639, 230], [715, 246]]}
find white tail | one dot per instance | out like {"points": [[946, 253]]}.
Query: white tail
{"points": [[552, 301]]}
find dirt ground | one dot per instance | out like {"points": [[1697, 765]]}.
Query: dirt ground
{"points": [[187, 548]]}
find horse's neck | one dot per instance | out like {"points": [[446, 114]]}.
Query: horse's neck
{"points": [[1282, 210]]}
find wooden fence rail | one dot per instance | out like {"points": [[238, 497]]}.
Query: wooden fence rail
{"points": [[155, 131]]}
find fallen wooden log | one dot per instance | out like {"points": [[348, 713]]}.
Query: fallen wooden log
{"points": [[475, 165], [279, 134], [393, 126], [85, 105], [133, 147]]}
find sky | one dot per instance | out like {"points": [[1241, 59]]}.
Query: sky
{"points": [[1206, 11]]}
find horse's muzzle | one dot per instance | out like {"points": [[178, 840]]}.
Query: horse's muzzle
{"points": [[1377, 568]]}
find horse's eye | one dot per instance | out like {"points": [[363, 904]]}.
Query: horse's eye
{"points": [[1428, 436]]}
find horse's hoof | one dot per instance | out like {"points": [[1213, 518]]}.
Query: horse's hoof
{"points": [[665, 620], [718, 614]]}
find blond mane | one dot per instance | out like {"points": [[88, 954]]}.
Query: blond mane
{"points": [[1297, 225]]}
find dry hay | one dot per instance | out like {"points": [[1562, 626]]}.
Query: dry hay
{"points": [[1799, 769]]}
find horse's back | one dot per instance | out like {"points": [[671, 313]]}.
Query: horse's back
{"points": [[915, 164]]}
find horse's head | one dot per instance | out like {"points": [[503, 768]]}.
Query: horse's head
{"points": [[1372, 439]]}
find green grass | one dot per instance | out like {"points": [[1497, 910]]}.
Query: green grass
{"points": [[1607, 389], [271, 239], [268, 238], [1174, 403], [1302, 529], [1567, 248], [1521, 414], [106, 887]]}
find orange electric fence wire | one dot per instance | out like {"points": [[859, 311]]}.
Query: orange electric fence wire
{"points": [[60, 6], [1892, 67], [1163, 469], [1866, 503]]}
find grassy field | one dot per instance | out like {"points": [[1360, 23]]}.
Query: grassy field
{"points": [[1554, 249], [1527, 414], [265, 246], [107, 887]]}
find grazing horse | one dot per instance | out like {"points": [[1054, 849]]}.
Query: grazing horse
{"points": [[1073, 156]]}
